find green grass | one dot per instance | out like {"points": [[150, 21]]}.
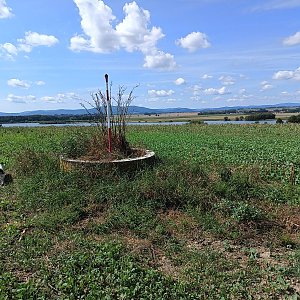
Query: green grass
{"points": [[198, 225]]}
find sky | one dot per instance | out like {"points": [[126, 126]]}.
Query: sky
{"points": [[180, 53]]}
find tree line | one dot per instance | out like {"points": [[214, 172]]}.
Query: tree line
{"points": [[48, 118]]}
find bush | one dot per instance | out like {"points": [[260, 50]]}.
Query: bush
{"points": [[294, 119], [260, 116]]}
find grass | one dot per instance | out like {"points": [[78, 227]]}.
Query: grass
{"points": [[216, 218], [186, 117]]}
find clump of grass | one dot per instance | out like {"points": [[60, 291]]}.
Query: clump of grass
{"points": [[196, 122], [239, 210]]}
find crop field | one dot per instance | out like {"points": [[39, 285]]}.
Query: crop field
{"points": [[216, 217]]}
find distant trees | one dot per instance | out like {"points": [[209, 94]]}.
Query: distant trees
{"points": [[48, 118], [260, 116], [294, 119]]}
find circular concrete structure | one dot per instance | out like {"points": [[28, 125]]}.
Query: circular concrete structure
{"points": [[126, 164]]}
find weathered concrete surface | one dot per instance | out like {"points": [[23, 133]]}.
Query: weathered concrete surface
{"points": [[126, 164]]}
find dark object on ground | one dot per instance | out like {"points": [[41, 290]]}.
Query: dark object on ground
{"points": [[226, 174], [4, 178]]}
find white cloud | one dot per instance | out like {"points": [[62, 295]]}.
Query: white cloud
{"points": [[179, 81], [227, 80], [197, 89], [213, 91], [5, 11], [31, 40], [40, 82], [62, 97], [160, 60], [59, 98], [96, 19], [242, 91], [132, 33], [34, 39], [265, 85], [8, 50], [18, 83], [285, 75], [292, 40], [20, 99], [160, 93], [206, 76], [194, 41]]}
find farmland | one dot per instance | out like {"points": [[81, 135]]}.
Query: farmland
{"points": [[218, 217]]}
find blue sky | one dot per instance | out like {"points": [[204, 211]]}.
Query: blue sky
{"points": [[182, 53]]}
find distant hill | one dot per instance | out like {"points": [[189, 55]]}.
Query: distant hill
{"points": [[145, 110], [74, 112]]}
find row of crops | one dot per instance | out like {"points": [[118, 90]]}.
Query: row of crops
{"points": [[274, 149]]}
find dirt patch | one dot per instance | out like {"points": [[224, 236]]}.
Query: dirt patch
{"points": [[94, 214], [243, 255]]}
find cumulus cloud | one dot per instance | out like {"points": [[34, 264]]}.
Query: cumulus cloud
{"points": [[227, 80], [5, 11], [34, 39], [212, 91], [160, 93], [179, 81], [59, 98], [160, 60], [133, 33], [62, 98], [26, 44], [96, 19], [8, 50], [206, 76], [285, 75], [20, 99], [40, 82], [194, 41], [14, 82], [265, 85], [292, 40]]}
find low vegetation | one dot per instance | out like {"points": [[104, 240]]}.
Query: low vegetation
{"points": [[294, 119], [216, 218], [260, 116]]}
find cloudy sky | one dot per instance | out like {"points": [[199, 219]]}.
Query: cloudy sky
{"points": [[182, 53]]}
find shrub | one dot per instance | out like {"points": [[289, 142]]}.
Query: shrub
{"points": [[294, 119], [260, 116]]}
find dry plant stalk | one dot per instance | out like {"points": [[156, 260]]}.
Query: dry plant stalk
{"points": [[119, 115]]}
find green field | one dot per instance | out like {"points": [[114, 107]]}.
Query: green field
{"points": [[217, 217]]}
